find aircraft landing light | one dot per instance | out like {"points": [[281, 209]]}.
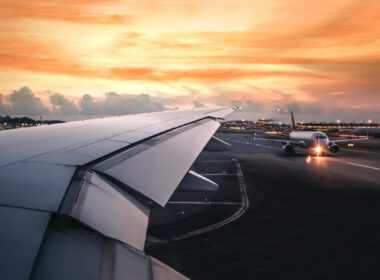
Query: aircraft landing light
{"points": [[318, 150]]}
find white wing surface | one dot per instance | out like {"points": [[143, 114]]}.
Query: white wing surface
{"points": [[74, 197]]}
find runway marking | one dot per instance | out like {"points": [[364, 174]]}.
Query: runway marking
{"points": [[243, 207], [214, 160], [205, 203], [362, 165], [358, 151], [219, 174], [255, 144]]}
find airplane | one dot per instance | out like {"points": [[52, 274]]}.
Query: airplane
{"points": [[316, 142], [76, 197]]}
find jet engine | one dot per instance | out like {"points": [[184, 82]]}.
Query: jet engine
{"points": [[289, 148], [333, 148]]}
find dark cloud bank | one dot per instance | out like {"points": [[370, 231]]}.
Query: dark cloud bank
{"points": [[24, 102]]}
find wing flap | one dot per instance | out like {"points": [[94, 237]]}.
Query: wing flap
{"points": [[157, 170], [111, 211]]}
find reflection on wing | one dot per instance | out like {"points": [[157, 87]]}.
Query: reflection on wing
{"points": [[75, 197]]}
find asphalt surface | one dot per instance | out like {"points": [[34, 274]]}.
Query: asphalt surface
{"points": [[315, 218]]}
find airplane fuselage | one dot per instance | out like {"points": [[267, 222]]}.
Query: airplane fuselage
{"points": [[316, 141], [310, 139]]}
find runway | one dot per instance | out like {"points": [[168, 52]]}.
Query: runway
{"points": [[308, 219]]}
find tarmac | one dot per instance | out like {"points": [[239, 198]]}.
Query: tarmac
{"points": [[276, 216]]}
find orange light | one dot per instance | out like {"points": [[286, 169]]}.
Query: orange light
{"points": [[318, 150], [308, 159]]}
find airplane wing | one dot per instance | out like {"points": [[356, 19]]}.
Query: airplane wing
{"points": [[348, 140], [282, 141], [269, 139], [74, 197], [276, 140]]}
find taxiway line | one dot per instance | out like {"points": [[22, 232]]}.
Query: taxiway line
{"points": [[253, 143], [205, 203], [243, 207], [362, 165], [219, 174], [215, 160]]}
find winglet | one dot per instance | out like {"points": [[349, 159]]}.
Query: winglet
{"points": [[293, 122]]}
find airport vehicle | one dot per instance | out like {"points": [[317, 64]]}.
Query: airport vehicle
{"points": [[75, 198], [316, 142]]}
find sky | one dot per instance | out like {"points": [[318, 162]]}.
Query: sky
{"points": [[75, 59]]}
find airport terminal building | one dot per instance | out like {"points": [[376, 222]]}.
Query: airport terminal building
{"points": [[335, 126]]}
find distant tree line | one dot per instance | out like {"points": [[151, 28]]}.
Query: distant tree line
{"points": [[26, 120]]}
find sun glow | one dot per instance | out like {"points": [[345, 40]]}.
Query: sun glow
{"points": [[215, 51]]}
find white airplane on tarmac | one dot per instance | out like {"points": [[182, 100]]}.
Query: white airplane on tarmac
{"points": [[316, 142]]}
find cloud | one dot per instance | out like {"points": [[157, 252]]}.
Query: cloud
{"points": [[23, 102], [338, 93], [294, 107], [113, 104], [346, 106], [62, 105], [89, 107], [117, 104], [38, 57], [3, 108], [299, 108], [201, 75], [198, 104], [248, 106], [69, 12]]}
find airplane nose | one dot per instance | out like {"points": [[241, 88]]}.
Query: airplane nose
{"points": [[322, 142]]}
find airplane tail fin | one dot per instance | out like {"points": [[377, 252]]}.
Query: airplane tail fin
{"points": [[293, 122]]}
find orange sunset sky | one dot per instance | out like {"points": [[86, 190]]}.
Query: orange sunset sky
{"points": [[74, 58]]}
